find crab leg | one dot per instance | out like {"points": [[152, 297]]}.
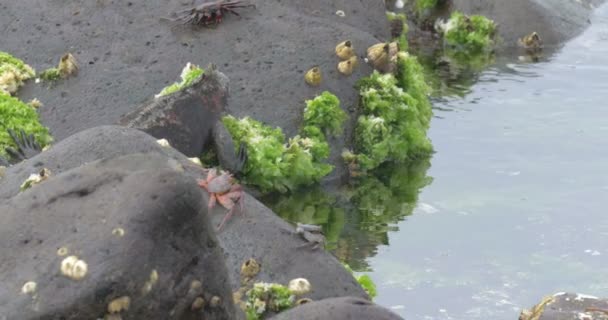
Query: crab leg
{"points": [[212, 200], [226, 218]]}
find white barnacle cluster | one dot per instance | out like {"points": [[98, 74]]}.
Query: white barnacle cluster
{"points": [[299, 286], [163, 143], [74, 268]]}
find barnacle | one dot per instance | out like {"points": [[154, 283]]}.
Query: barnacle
{"points": [[119, 232], [119, 304], [195, 285], [62, 251], [215, 302], [67, 65], [313, 76], [299, 286], [531, 42], [347, 67], [29, 287], [35, 103], [198, 303], [150, 283], [250, 268], [35, 178], [303, 301], [378, 55], [74, 268], [163, 142], [345, 50]]}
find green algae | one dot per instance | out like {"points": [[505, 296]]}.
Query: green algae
{"points": [[51, 74], [13, 73], [189, 74], [276, 165], [395, 116], [16, 115], [365, 281], [266, 298]]}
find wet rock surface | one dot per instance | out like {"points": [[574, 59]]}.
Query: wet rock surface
{"points": [[148, 255], [337, 309], [256, 233], [127, 54], [568, 306], [187, 118]]}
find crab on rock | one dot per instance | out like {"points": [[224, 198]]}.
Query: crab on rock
{"points": [[222, 189]]}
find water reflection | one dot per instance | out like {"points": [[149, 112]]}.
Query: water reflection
{"points": [[357, 218]]}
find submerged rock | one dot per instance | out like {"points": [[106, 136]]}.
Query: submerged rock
{"points": [[568, 306], [338, 309], [120, 238], [555, 20]]}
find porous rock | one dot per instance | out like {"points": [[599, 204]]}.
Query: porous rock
{"points": [[128, 53], [338, 309], [257, 232], [568, 306], [134, 222], [554, 20]]}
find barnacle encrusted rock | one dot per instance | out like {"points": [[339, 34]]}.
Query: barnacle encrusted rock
{"points": [[167, 245]]}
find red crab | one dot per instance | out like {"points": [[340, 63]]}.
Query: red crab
{"points": [[209, 13], [222, 189]]}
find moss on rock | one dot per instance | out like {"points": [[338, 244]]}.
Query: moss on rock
{"points": [[16, 115], [13, 72]]}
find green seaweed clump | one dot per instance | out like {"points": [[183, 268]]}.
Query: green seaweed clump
{"points": [[469, 34], [425, 5], [264, 298], [324, 112], [190, 73], [395, 117], [273, 164], [365, 281], [399, 28], [16, 115], [13, 72], [50, 74]]}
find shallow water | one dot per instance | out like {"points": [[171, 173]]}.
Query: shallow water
{"points": [[516, 206]]}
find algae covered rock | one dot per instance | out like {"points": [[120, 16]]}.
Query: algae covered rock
{"points": [[76, 247], [256, 232], [13, 72]]}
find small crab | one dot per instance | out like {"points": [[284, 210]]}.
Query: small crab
{"points": [[209, 13], [313, 234], [222, 189]]}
